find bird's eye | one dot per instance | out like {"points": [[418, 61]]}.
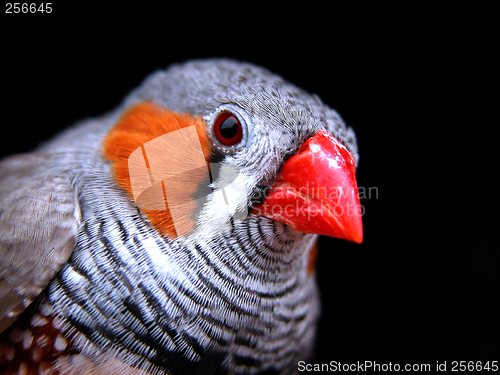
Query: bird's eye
{"points": [[228, 129]]}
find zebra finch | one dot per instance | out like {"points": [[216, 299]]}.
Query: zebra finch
{"points": [[177, 233]]}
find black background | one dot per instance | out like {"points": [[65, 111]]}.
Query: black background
{"points": [[424, 285]]}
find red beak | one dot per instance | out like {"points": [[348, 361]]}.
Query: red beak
{"points": [[316, 191]]}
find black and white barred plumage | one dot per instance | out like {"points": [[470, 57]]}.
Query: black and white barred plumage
{"points": [[240, 301]]}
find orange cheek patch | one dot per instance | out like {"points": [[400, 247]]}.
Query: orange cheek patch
{"points": [[313, 254], [136, 162]]}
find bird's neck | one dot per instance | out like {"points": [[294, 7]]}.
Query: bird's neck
{"points": [[236, 298]]}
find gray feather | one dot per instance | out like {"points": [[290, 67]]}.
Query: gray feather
{"points": [[38, 220], [243, 298]]}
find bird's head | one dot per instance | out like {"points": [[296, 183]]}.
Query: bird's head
{"points": [[206, 144]]}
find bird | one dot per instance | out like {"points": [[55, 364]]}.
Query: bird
{"points": [[177, 233]]}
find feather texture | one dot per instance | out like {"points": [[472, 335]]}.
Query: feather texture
{"points": [[128, 294], [39, 216], [142, 127]]}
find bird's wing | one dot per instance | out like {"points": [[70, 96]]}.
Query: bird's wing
{"points": [[39, 216]]}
